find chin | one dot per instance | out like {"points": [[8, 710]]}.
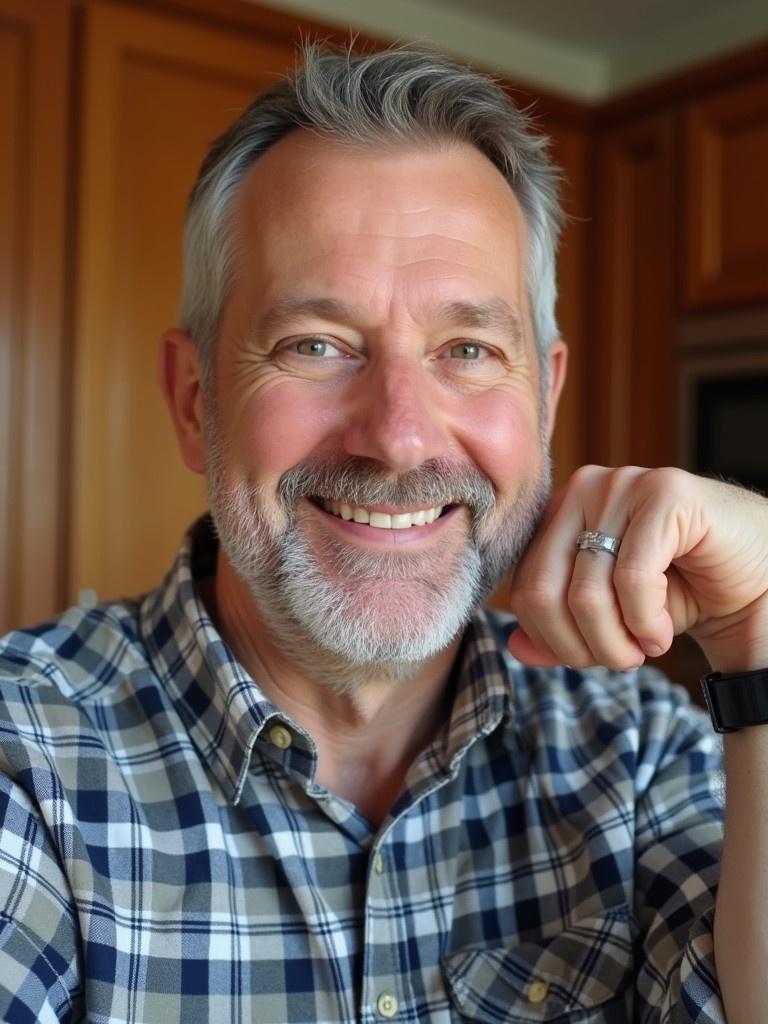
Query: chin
{"points": [[379, 607]]}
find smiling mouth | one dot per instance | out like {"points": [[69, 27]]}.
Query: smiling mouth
{"points": [[382, 520]]}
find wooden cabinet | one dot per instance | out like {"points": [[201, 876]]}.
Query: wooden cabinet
{"points": [[34, 47], [633, 369], [157, 90], [681, 234], [726, 258], [571, 150]]}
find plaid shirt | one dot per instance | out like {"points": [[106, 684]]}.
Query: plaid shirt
{"points": [[166, 855]]}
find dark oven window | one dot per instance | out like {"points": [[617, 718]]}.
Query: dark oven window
{"points": [[732, 429]]}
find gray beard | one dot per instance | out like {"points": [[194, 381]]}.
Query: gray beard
{"points": [[348, 616]]}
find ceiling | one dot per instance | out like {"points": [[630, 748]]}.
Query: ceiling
{"points": [[599, 25], [587, 49]]}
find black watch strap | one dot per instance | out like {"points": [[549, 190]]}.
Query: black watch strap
{"points": [[736, 700]]}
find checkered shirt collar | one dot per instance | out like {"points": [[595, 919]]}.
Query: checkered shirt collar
{"points": [[224, 709]]}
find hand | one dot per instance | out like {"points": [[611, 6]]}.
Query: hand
{"points": [[693, 558]]}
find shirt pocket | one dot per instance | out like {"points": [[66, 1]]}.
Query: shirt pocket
{"points": [[580, 975]]}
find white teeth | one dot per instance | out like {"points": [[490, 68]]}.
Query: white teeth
{"points": [[383, 520], [402, 521], [380, 520]]}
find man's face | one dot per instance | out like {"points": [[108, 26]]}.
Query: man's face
{"points": [[376, 450]]}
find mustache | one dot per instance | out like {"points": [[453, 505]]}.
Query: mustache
{"points": [[361, 481]]}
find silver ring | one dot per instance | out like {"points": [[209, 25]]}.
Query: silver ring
{"points": [[594, 540]]}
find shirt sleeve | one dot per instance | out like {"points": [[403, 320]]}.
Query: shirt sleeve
{"points": [[39, 963], [678, 844]]}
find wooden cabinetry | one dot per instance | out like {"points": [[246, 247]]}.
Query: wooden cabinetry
{"points": [[681, 223], [634, 371], [681, 246], [726, 206], [571, 150], [157, 90], [34, 47]]}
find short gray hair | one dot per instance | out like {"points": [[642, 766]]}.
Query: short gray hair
{"points": [[398, 95]]}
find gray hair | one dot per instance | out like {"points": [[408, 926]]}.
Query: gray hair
{"points": [[398, 95]]}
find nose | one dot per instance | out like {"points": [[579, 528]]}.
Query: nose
{"points": [[395, 417]]}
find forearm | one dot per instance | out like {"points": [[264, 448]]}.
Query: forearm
{"points": [[741, 915], [741, 912]]}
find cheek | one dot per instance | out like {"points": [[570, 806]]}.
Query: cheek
{"points": [[282, 426], [500, 433]]}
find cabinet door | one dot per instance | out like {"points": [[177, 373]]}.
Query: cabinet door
{"points": [[157, 90], [33, 177], [570, 145], [633, 366], [726, 209]]}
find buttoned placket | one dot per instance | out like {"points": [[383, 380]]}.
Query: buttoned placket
{"points": [[383, 993]]}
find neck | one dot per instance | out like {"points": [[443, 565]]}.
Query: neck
{"points": [[369, 730]]}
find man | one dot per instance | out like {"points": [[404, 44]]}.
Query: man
{"points": [[308, 779]]}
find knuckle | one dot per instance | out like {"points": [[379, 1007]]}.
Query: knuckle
{"points": [[622, 478], [586, 597], [668, 480], [540, 596], [585, 476], [631, 573]]}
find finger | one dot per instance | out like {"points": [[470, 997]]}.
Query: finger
{"points": [[541, 609], [592, 597], [531, 653], [540, 587], [596, 610], [647, 550]]}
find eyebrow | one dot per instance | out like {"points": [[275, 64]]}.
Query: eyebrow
{"points": [[493, 314], [292, 307]]}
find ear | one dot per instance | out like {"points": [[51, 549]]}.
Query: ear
{"points": [[558, 365], [180, 380]]}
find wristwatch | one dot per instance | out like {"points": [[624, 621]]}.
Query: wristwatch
{"points": [[736, 700]]}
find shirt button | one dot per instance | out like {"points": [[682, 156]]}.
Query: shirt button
{"points": [[386, 1004], [378, 864], [538, 991], [280, 736]]}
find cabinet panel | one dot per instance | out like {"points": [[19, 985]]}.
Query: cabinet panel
{"points": [[570, 146], [33, 127], [11, 73], [634, 372], [157, 91], [726, 209]]}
